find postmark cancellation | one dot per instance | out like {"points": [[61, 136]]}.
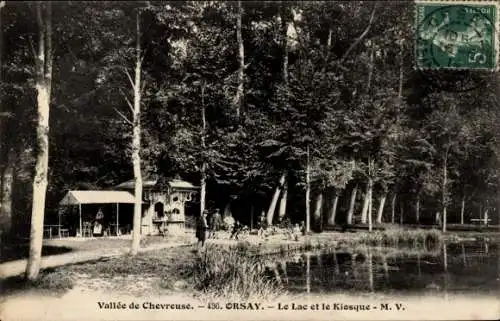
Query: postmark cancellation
{"points": [[457, 35]]}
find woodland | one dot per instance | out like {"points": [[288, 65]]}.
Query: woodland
{"points": [[307, 110]]}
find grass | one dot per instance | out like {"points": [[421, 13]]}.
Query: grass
{"points": [[55, 282], [158, 263], [403, 238], [230, 273]]}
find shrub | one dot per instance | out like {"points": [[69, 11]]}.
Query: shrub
{"points": [[243, 247], [167, 283], [54, 281], [229, 273]]}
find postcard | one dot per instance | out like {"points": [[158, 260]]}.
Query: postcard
{"points": [[260, 160]]}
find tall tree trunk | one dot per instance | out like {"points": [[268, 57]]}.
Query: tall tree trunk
{"points": [[252, 213], [445, 182], [43, 89], [393, 208], [350, 212], [7, 184], [401, 68], [284, 36], [274, 201], [136, 145], [283, 201], [7, 156], [284, 71], [417, 210], [308, 193], [318, 209], [241, 60], [370, 71], [227, 210], [370, 200], [401, 212], [462, 211], [203, 183], [333, 209], [381, 207], [485, 216], [366, 200]]}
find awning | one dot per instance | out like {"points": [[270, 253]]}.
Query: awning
{"points": [[97, 197]]}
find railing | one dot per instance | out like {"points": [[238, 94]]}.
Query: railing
{"points": [[48, 231]]}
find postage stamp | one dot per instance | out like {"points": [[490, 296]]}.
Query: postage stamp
{"points": [[456, 35]]}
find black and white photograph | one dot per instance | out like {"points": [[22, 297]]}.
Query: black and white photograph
{"points": [[249, 160]]}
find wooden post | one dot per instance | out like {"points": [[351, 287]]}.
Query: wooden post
{"points": [[462, 211], [370, 200], [59, 223], [80, 215], [117, 219]]}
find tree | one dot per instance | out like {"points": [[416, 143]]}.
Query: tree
{"points": [[7, 162], [136, 140], [449, 136], [43, 85], [239, 99]]}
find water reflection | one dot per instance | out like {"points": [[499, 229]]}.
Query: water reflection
{"points": [[457, 268], [308, 272]]}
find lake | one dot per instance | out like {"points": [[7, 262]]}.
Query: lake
{"points": [[464, 268]]}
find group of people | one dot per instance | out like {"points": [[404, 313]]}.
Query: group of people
{"points": [[208, 227], [203, 227]]}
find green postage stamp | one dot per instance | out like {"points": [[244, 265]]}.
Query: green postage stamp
{"points": [[457, 35]]}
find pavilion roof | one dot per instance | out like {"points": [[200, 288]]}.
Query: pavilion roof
{"points": [[97, 197]]}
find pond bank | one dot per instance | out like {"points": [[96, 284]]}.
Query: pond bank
{"points": [[226, 272], [77, 250]]}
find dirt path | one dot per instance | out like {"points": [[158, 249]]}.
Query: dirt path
{"points": [[17, 267]]}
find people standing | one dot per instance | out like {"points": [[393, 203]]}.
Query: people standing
{"points": [[236, 230], [262, 223], [302, 228], [201, 229], [215, 221], [98, 223]]}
